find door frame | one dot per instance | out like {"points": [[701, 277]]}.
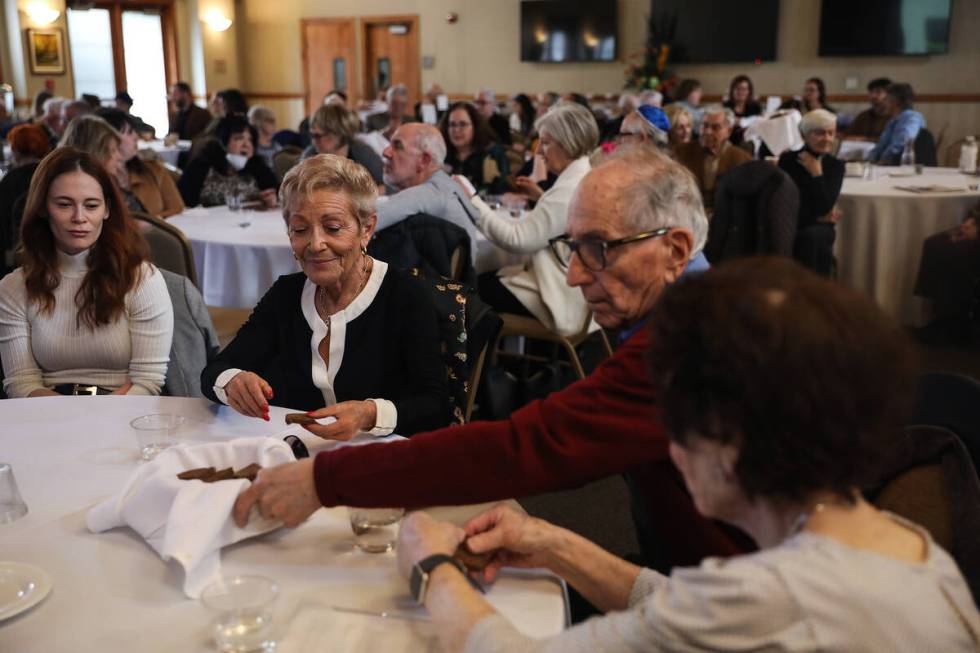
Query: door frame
{"points": [[413, 24], [355, 65]]}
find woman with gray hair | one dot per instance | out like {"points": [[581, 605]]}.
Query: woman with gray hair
{"points": [[348, 338], [264, 122], [568, 134], [818, 175], [333, 130]]}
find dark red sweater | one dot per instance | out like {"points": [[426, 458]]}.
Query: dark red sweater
{"points": [[604, 424]]}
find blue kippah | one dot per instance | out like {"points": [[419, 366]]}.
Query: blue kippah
{"points": [[656, 117]]}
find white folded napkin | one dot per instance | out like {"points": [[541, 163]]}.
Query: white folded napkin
{"points": [[779, 134], [189, 521]]}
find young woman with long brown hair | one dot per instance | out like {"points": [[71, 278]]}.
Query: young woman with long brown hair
{"points": [[86, 313]]}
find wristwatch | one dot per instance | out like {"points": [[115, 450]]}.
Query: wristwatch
{"points": [[419, 582]]}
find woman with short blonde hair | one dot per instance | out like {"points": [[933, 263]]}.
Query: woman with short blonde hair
{"points": [[348, 337]]}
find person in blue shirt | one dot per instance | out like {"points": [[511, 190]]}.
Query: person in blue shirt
{"points": [[903, 126]]}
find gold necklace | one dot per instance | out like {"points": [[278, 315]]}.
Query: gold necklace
{"points": [[319, 303]]}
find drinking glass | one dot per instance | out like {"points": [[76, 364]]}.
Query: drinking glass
{"points": [[375, 529], [246, 218], [154, 433], [515, 206], [234, 200], [869, 171], [12, 506], [243, 613]]}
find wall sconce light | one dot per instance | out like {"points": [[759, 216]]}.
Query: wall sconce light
{"points": [[217, 21], [42, 14]]}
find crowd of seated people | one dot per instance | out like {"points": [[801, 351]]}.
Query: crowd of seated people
{"points": [[615, 238]]}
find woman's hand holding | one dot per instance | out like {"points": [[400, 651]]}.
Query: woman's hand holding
{"points": [[268, 197], [249, 394], [421, 536], [352, 417], [529, 187], [811, 163], [516, 538]]}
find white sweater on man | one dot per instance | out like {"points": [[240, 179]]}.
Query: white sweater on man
{"points": [[42, 350]]}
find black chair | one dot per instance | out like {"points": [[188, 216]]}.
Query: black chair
{"points": [[925, 148], [951, 401], [436, 246], [756, 205]]}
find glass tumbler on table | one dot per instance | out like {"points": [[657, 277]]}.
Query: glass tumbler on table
{"points": [[243, 613], [154, 433], [375, 529], [12, 506], [234, 199]]}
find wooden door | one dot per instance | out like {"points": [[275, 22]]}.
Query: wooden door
{"points": [[391, 55], [328, 59]]}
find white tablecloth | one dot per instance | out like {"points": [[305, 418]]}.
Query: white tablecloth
{"points": [[236, 265], [881, 230], [167, 153], [113, 593]]}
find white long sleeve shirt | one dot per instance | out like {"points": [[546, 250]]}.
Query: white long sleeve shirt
{"points": [[42, 350]]}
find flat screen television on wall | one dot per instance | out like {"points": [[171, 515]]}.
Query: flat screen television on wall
{"points": [[720, 31], [852, 28], [556, 31]]}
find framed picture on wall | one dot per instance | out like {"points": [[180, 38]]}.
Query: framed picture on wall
{"points": [[46, 50]]}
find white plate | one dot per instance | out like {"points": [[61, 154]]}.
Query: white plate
{"points": [[22, 586]]}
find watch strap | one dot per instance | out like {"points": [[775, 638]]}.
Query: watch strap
{"points": [[419, 581]]}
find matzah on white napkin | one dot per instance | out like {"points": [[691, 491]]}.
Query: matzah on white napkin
{"points": [[190, 521]]}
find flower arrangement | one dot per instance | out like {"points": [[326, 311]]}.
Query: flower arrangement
{"points": [[648, 69]]}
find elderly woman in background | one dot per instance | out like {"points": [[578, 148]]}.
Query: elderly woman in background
{"points": [[568, 135], [333, 130], [263, 120], [150, 184], [376, 364], [86, 314], [818, 175], [833, 572], [28, 145], [901, 130], [228, 165], [647, 125], [681, 124], [471, 149]]}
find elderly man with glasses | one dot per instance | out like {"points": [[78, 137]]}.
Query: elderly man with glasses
{"points": [[635, 225], [712, 155]]}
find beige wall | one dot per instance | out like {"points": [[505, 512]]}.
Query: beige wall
{"points": [[483, 49], [64, 85]]}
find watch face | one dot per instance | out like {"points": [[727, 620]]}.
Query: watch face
{"points": [[417, 583]]}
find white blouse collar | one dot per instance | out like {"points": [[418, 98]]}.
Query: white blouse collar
{"points": [[323, 377]]}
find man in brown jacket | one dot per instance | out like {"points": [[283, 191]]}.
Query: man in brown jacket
{"points": [[712, 155], [188, 120]]}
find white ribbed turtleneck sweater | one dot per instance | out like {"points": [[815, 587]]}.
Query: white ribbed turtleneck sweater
{"points": [[41, 350]]}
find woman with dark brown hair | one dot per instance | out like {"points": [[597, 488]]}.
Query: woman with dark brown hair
{"points": [[471, 150], [741, 100], [86, 313]]}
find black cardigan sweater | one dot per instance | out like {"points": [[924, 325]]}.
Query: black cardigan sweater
{"points": [[391, 351], [817, 194]]}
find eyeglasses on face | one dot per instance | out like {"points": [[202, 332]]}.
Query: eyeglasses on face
{"points": [[460, 125], [593, 253], [315, 136]]}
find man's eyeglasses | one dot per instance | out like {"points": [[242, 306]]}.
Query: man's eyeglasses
{"points": [[592, 253]]}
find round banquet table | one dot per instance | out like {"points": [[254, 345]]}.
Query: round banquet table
{"points": [[882, 228], [111, 592], [167, 153], [236, 265]]}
